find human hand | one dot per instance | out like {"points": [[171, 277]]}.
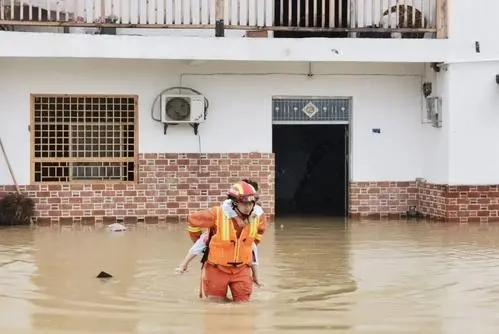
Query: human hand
{"points": [[181, 269], [258, 283]]}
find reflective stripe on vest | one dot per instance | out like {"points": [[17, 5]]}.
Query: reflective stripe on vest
{"points": [[227, 232]]}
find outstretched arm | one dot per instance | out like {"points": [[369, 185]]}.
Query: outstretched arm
{"points": [[182, 267]]}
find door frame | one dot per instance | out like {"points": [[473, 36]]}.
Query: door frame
{"points": [[347, 157], [348, 132]]}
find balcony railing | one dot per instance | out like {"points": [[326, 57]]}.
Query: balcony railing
{"points": [[357, 17]]}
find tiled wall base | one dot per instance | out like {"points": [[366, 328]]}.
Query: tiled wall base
{"points": [[170, 186], [381, 200], [471, 204], [464, 204]]}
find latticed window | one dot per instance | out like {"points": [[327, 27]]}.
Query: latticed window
{"points": [[83, 138]]}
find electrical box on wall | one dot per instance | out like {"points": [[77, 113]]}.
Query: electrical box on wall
{"points": [[434, 111]]}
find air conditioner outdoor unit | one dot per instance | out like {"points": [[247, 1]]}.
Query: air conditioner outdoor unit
{"points": [[179, 108]]}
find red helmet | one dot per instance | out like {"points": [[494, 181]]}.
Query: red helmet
{"points": [[242, 192]]}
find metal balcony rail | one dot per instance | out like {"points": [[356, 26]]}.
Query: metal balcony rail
{"points": [[276, 15]]}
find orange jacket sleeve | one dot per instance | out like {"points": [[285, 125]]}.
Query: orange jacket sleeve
{"points": [[199, 220], [262, 228]]}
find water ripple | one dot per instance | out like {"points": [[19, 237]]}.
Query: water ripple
{"points": [[320, 276]]}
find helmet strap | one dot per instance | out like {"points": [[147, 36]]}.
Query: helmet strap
{"points": [[242, 215]]}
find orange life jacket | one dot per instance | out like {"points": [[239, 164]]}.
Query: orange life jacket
{"points": [[228, 250]]}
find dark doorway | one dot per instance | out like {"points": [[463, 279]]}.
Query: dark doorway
{"points": [[310, 17], [311, 169]]}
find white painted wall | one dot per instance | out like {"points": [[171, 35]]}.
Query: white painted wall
{"points": [[472, 20], [34, 45], [464, 151], [435, 141], [180, 44], [474, 123], [385, 96]]}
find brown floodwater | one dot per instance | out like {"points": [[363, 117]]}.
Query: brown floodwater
{"points": [[321, 276]]}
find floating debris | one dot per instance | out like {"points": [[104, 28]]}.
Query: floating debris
{"points": [[103, 274], [116, 227]]}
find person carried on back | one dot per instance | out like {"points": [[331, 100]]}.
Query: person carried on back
{"points": [[229, 247]]}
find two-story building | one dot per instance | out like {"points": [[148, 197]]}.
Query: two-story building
{"points": [[145, 110]]}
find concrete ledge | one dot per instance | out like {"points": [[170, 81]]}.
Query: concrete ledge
{"points": [[57, 45]]}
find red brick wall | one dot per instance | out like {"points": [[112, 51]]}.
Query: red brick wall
{"points": [[472, 204], [460, 204], [170, 186], [464, 204], [432, 200], [381, 199]]}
